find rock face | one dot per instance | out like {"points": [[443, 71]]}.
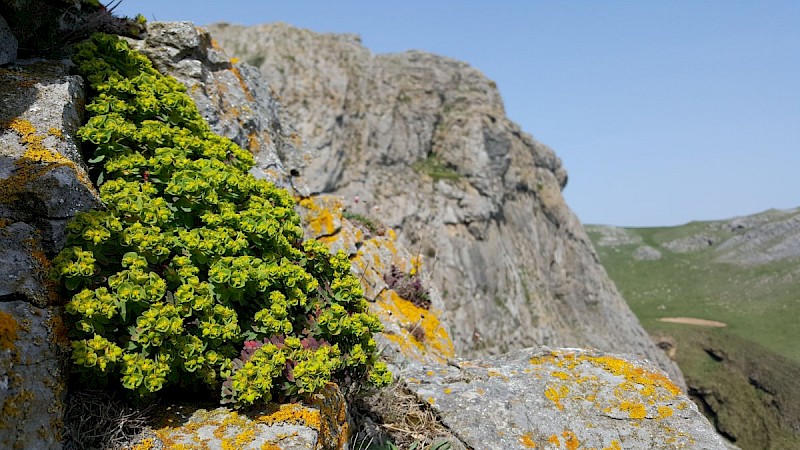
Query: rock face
{"points": [[572, 399], [424, 143], [42, 185], [8, 44], [233, 97]]}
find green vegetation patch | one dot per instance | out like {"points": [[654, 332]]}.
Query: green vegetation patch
{"points": [[435, 168], [196, 273]]}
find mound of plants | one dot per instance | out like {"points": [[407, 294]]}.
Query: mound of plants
{"points": [[196, 273]]}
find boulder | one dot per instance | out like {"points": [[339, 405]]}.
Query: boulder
{"points": [[321, 425], [568, 398]]}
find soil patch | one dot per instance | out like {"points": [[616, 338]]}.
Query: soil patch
{"points": [[693, 321]]}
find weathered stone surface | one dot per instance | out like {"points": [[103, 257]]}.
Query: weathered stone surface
{"points": [[32, 388], [43, 182], [24, 268], [690, 243], [43, 179], [561, 399], [646, 253], [322, 425], [413, 334], [425, 139], [8, 44], [231, 95], [763, 238]]}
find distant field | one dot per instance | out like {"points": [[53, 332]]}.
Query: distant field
{"points": [[760, 303]]}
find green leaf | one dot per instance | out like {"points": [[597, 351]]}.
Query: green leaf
{"points": [[72, 283], [97, 159]]}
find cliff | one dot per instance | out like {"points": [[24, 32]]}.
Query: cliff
{"points": [[423, 143]]}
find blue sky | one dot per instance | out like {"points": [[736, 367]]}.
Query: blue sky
{"points": [[663, 112]]}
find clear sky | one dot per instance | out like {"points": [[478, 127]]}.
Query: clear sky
{"points": [[663, 112]]}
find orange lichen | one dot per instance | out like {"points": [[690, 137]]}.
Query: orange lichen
{"points": [[553, 439], [436, 341], [635, 410], [293, 413], [664, 412], [8, 331], [634, 374], [570, 440], [527, 440], [556, 395], [35, 162], [321, 217], [247, 94], [146, 444]]}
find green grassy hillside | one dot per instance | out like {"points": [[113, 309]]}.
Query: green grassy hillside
{"points": [[744, 272]]}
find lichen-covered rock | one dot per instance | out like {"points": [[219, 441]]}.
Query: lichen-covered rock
{"points": [[43, 180], [569, 398], [322, 425], [231, 95], [425, 139], [413, 334], [32, 388], [43, 183], [8, 44]]}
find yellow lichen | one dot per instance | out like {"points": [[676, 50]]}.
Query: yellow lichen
{"points": [[635, 410], [293, 413], [614, 446], [448, 390], [321, 218], [664, 412], [556, 395], [436, 341], [527, 440], [570, 440], [35, 162]]}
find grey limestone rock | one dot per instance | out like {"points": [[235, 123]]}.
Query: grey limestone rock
{"points": [[320, 425], [568, 398], [43, 182], [689, 243], [32, 375], [646, 253], [8, 44], [231, 95], [762, 238], [425, 139], [43, 179]]}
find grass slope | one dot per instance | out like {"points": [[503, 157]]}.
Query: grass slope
{"points": [[744, 272]]}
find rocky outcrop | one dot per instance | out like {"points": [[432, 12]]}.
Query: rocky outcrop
{"points": [[232, 96], [572, 398], [322, 425], [43, 184], [423, 143]]}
